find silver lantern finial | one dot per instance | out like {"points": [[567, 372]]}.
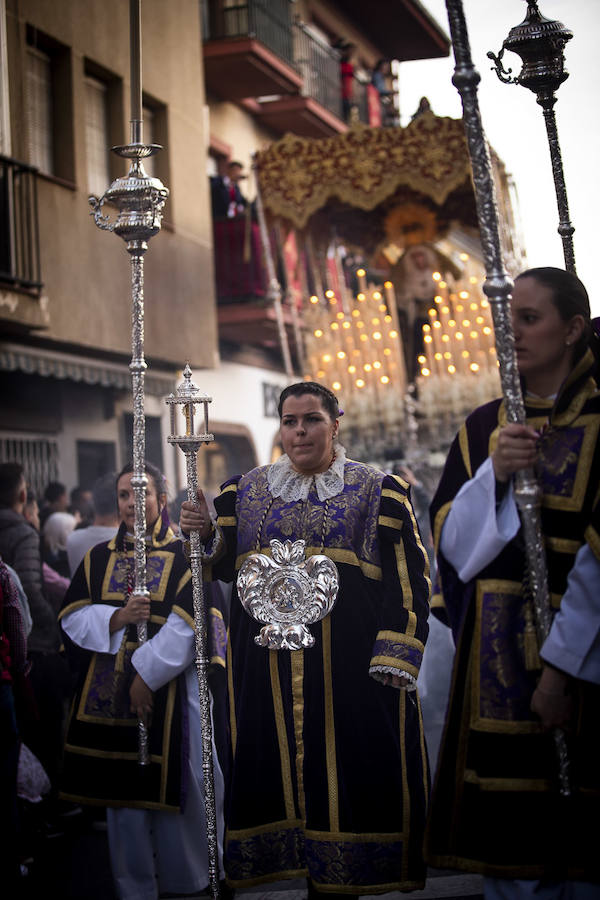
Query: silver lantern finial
{"points": [[189, 398], [540, 42]]}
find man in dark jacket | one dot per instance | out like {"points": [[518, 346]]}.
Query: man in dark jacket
{"points": [[20, 548], [226, 197]]}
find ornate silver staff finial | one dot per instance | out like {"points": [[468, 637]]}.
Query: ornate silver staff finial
{"points": [[540, 42], [188, 397], [139, 200], [498, 288]]}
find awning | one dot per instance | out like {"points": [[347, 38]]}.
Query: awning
{"points": [[50, 363]]}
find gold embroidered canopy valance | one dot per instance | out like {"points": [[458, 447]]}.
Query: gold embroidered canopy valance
{"points": [[363, 167]]}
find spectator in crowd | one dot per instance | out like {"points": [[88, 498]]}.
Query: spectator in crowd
{"points": [[55, 584], [55, 500], [56, 529], [226, 196], [50, 677], [82, 506], [13, 669], [103, 526], [23, 601]]}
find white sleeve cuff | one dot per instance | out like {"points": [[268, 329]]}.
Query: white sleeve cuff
{"points": [[89, 628], [167, 654], [475, 532], [573, 644]]}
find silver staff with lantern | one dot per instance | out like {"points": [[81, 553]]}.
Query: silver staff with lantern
{"points": [[139, 199], [188, 397], [498, 288], [540, 43]]}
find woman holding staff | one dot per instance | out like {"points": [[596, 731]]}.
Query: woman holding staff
{"points": [[155, 814], [496, 807], [329, 773]]}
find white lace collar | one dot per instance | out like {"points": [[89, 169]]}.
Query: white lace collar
{"points": [[285, 482]]}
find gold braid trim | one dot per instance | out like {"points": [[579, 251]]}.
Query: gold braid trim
{"points": [[362, 167]]}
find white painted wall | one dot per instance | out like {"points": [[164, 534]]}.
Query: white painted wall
{"points": [[237, 398]]}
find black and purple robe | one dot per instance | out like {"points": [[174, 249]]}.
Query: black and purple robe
{"points": [[495, 806], [329, 774], [101, 749]]}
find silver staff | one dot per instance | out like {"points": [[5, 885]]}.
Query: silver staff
{"points": [[274, 290], [498, 288], [188, 396], [540, 43], [139, 200]]}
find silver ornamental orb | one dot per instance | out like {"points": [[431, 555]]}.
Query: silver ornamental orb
{"points": [[287, 592]]}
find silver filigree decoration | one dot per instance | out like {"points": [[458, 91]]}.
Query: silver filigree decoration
{"points": [[287, 592]]}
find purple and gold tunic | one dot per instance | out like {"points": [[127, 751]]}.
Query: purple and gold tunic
{"points": [[329, 772], [101, 749], [495, 807]]}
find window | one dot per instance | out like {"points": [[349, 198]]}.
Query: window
{"points": [[94, 458], [149, 137], [103, 119], [49, 105], [96, 136], [154, 440], [39, 110], [154, 115]]}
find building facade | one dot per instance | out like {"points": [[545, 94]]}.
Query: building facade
{"points": [[222, 81]]}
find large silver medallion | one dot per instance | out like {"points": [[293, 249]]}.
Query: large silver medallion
{"points": [[287, 592]]}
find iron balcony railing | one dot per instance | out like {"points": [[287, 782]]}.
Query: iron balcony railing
{"points": [[319, 66], [19, 230], [268, 21]]}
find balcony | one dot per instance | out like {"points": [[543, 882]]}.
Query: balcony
{"points": [[21, 306], [245, 314], [19, 237], [248, 49], [316, 111]]}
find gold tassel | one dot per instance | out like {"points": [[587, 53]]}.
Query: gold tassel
{"points": [[120, 658]]}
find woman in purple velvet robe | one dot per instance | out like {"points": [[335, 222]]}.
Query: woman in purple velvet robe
{"points": [[496, 807], [329, 772]]}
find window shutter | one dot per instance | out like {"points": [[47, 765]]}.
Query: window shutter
{"points": [[149, 138], [39, 110], [96, 137]]}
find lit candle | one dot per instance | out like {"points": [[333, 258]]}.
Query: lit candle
{"points": [[362, 280]]}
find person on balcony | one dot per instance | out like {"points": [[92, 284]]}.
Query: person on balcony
{"points": [[347, 77], [226, 197]]}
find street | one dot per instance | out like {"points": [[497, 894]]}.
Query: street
{"points": [[75, 865]]}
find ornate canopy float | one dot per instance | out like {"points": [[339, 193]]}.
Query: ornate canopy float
{"points": [[377, 239]]}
